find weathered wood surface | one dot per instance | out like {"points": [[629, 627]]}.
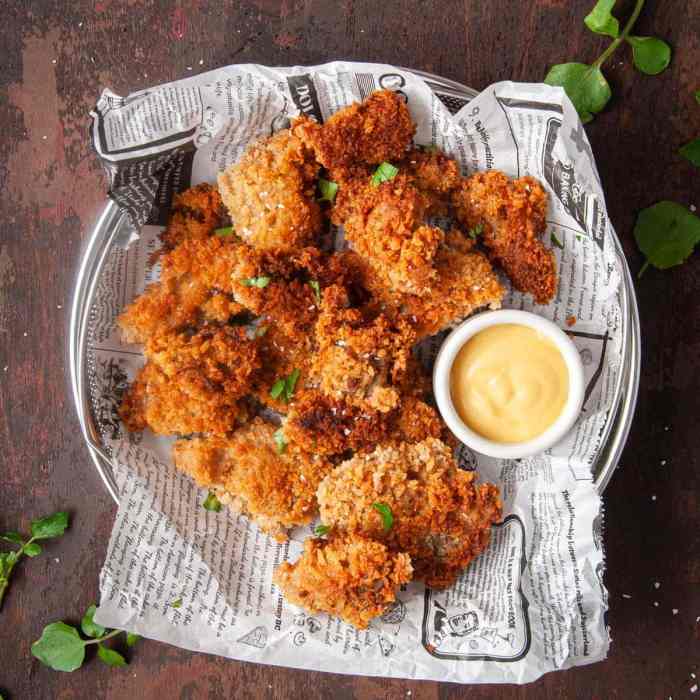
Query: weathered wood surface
{"points": [[57, 55]]}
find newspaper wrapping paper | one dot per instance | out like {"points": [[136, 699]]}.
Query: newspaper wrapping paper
{"points": [[535, 600]]}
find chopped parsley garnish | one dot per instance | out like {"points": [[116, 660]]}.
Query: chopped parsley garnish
{"points": [[317, 290], [384, 172], [328, 190], [211, 502], [387, 516], [260, 282], [280, 442], [555, 241], [476, 231], [176, 603], [224, 232], [261, 330], [321, 530], [284, 387]]}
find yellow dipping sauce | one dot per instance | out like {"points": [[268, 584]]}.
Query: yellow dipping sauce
{"points": [[509, 383]]}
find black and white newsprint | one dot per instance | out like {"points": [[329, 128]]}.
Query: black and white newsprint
{"points": [[534, 602]]}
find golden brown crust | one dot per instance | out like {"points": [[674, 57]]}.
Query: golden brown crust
{"points": [[195, 214], [440, 518], [192, 384], [249, 475], [376, 130], [349, 577], [513, 213], [269, 193]]}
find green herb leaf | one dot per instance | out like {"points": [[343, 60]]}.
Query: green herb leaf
{"points": [[691, 151], [280, 442], [666, 233], [651, 55], [321, 530], [385, 512], [131, 639], [278, 388], [384, 172], [291, 384], [555, 241], [697, 96], [12, 537], [317, 290], [431, 148], [284, 387], [60, 647], [224, 232], [260, 282], [110, 657], [52, 526], [585, 85], [176, 603], [89, 626], [328, 190], [261, 330], [7, 561], [476, 231], [212, 503], [601, 21], [32, 549]]}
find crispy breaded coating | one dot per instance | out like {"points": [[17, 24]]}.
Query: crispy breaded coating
{"points": [[245, 470], [269, 193], [513, 214], [192, 383], [360, 355], [432, 170], [376, 130], [320, 424], [191, 275], [465, 282], [349, 577], [386, 225], [195, 214], [440, 518]]}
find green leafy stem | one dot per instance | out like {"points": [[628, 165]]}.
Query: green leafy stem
{"points": [[585, 84]]}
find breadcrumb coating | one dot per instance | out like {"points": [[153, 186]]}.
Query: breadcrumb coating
{"points": [[195, 214], [440, 518], [191, 275], [385, 224], [269, 193], [376, 130], [348, 577], [247, 473], [192, 383], [513, 213]]}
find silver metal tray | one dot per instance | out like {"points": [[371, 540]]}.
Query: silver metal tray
{"points": [[113, 231]]}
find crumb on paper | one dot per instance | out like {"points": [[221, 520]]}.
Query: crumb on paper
{"points": [[571, 320]]}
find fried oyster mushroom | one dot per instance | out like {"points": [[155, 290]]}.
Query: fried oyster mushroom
{"points": [[440, 517], [192, 383], [250, 476], [269, 193], [351, 577], [513, 216], [376, 130]]}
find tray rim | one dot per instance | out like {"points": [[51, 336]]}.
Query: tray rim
{"points": [[110, 223]]}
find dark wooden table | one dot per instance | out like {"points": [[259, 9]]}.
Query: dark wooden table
{"points": [[57, 55]]}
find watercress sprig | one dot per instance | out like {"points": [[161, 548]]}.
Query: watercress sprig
{"points": [[584, 83], [43, 529], [63, 649]]}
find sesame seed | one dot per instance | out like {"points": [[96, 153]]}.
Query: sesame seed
{"points": [[656, 603], [675, 611], [694, 688], [657, 584], [626, 596], [653, 498], [53, 60], [663, 462]]}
